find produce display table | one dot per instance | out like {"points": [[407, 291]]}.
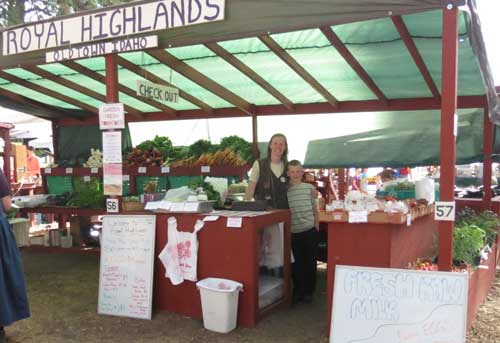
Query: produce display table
{"points": [[229, 253], [389, 244]]}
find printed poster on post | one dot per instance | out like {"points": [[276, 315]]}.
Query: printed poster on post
{"points": [[112, 178], [112, 147]]}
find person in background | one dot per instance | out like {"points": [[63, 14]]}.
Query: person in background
{"points": [[386, 175], [404, 173], [356, 180], [33, 163], [305, 224], [363, 180], [13, 299]]}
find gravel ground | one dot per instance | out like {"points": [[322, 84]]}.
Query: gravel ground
{"points": [[62, 290]]}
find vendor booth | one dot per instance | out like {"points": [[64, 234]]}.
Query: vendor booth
{"points": [[423, 63]]}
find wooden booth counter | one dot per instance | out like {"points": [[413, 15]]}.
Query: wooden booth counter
{"points": [[386, 240], [229, 253]]}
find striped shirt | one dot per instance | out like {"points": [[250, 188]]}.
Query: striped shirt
{"points": [[302, 205]]}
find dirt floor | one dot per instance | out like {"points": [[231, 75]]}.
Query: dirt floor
{"points": [[63, 298]]}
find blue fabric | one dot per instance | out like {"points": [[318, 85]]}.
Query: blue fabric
{"points": [[13, 299]]}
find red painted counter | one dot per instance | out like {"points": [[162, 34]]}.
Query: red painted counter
{"points": [[224, 253], [377, 245]]}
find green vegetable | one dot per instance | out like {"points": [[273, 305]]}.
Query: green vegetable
{"points": [[160, 143], [487, 220], [238, 144], [87, 194], [468, 240], [201, 147], [212, 194]]}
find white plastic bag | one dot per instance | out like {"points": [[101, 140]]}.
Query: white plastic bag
{"points": [[271, 246], [424, 189], [180, 255]]}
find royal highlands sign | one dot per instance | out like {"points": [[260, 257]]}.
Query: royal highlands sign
{"points": [[157, 92], [119, 22]]}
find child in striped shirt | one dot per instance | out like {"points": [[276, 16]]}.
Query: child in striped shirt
{"points": [[305, 221]]}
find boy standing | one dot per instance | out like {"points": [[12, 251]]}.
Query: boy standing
{"points": [[305, 221]]}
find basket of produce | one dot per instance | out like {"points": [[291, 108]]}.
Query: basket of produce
{"points": [[131, 204]]}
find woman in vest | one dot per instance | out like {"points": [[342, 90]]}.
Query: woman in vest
{"points": [[13, 299], [268, 181]]}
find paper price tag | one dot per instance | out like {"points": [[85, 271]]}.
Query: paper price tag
{"points": [[126, 177], [141, 170], [152, 205], [177, 207], [235, 222], [165, 170], [69, 170], [165, 205], [94, 170], [112, 205], [86, 178], [191, 206], [48, 170], [358, 217], [205, 169], [408, 219], [210, 218], [444, 210]]}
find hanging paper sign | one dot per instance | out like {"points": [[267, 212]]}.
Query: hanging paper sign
{"points": [[69, 170], [102, 48], [165, 170], [112, 147], [48, 170], [94, 170], [205, 169], [235, 222], [111, 116], [157, 92], [112, 179]]}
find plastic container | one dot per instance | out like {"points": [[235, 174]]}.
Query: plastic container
{"points": [[219, 303], [66, 241]]}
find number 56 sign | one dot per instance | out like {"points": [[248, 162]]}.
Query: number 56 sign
{"points": [[444, 210]]}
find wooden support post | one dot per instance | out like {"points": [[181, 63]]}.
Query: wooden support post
{"points": [[342, 183], [111, 78], [112, 95], [448, 111], [7, 152], [55, 140], [255, 140], [487, 160]]}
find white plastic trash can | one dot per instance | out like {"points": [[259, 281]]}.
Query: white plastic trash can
{"points": [[219, 303]]}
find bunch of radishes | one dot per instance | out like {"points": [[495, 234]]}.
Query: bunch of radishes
{"points": [[140, 158]]}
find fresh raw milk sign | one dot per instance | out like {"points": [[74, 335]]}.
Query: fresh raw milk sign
{"points": [[385, 305], [114, 23], [127, 264]]}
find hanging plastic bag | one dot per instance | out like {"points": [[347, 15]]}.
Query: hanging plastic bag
{"points": [[180, 255]]}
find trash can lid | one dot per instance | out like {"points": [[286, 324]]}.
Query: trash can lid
{"points": [[219, 285]]}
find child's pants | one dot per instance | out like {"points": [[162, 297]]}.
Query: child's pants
{"points": [[304, 270]]}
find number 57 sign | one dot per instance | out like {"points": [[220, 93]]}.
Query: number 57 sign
{"points": [[444, 210]]}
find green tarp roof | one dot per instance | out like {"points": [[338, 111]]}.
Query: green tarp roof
{"points": [[254, 35]]}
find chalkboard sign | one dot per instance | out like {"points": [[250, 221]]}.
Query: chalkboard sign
{"points": [[126, 271], [381, 305]]}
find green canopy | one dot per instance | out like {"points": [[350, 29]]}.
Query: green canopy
{"points": [[398, 139]]}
